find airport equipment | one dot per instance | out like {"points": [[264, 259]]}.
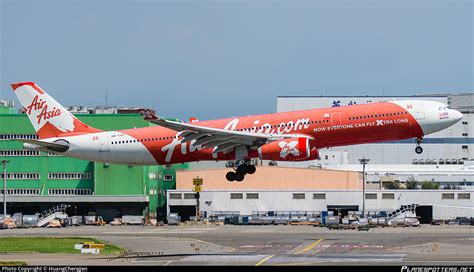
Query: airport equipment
{"points": [[30, 220], [116, 222], [89, 219], [57, 212], [18, 218], [54, 224], [281, 220], [173, 219], [100, 221], [463, 220], [332, 220], [403, 209], [132, 220], [77, 220]]}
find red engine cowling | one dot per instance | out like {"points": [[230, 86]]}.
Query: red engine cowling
{"points": [[294, 149]]}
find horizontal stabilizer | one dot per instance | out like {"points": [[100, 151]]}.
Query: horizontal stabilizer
{"points": [[62, 146]]}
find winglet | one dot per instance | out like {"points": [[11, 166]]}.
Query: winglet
{"points": [[148, 115]]}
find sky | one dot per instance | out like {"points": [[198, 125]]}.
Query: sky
{"points": [[217, 59]]}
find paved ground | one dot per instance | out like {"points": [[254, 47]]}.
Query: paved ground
{"points": [[262, 245]]}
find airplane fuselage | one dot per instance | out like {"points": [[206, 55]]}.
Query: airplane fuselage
{"points": [[329, 127]]}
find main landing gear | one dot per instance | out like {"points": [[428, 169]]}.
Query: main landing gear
{"points": [[418, 148], [241, 168]]}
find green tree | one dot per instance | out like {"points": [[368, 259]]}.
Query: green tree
{"points": [[428, 185], [411, 184], [392, 185]]}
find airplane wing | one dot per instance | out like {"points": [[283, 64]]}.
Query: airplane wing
{"points": [[221, 139]]}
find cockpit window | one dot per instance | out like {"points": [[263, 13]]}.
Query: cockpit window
{"points": [[442, 108]]}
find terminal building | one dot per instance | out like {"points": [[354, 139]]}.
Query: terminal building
{"points": [[37, 181], [447, 159]]}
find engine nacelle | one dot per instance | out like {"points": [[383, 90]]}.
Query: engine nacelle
{"points": [[294, 149]]}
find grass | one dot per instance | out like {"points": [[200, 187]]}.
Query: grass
{"points": [[12, 263], [51, 245]]}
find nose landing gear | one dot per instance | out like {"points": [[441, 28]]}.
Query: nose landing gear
{"points": [[241, 169], [418, 148]]}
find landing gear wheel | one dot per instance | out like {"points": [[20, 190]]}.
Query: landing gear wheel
{"points": [[418, 150], [230, 176], [251, 169], [242, 169], [239, 177]]}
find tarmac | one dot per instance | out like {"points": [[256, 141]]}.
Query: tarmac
{"points": [[260, 245]]}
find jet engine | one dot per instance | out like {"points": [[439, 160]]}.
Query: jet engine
{"points": [[293, 149]]}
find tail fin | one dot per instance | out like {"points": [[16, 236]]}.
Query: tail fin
{"points": [[47, 116]]}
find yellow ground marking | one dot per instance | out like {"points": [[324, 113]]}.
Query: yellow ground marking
{"points": [[309, 247], [264, 260]]}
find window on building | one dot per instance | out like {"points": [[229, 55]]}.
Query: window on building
{"points": [[236, 196], [464, 196], [27, 192], [175, 196], [388, 196], [69, 192], [18, 152], [18, 136], [20, 176], [465, 134], [464, 147], [70, 175], [299, 196], [152, 175], [370, 196], [464, 122], [168, 177], [189, 196], [252, 195], [319, 196], [447, 196]]}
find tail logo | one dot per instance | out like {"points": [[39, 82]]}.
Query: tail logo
{"points": [[40, 104]]}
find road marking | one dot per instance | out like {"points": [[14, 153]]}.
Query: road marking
{"points": [[309, 247], [264, 260]]}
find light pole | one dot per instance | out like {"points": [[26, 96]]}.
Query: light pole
{"points": [[4, 162], [363, 161]]}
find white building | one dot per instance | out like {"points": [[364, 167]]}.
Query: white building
{"points": [[433, 204]]}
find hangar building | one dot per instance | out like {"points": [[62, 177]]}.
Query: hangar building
{"points": [[37, 181]]}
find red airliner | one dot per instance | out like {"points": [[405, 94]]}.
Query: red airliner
{"points": [[286, 136]]}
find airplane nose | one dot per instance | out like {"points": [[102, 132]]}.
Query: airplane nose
{"points": [[457, 115]]}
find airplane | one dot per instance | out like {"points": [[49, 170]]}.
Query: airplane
{"points": [[285, 136]]}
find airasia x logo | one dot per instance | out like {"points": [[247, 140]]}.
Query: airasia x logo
{"points": [[288, 148], [45, 114]]}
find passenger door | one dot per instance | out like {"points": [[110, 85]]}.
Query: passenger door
{"points": [[104, 143], [336, 118]]}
